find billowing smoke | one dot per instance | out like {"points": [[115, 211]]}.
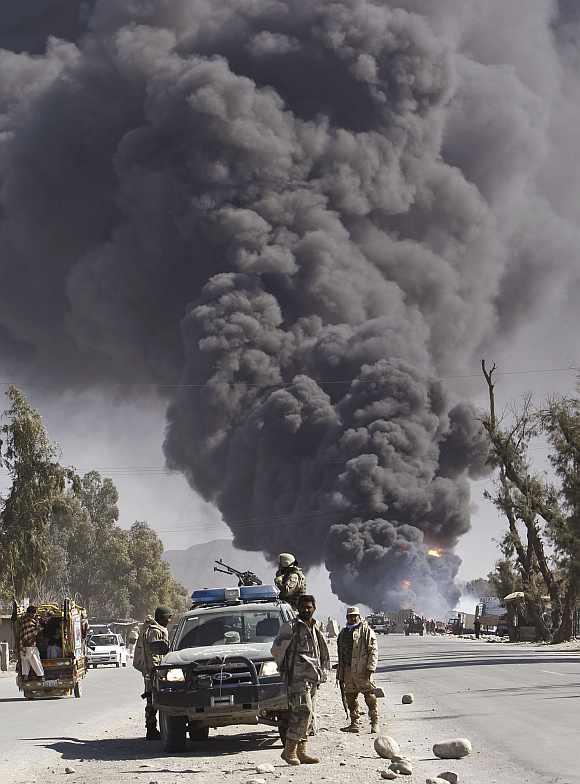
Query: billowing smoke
{"points": [[304, 216]]}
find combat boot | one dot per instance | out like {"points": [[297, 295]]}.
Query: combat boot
{"points": [[289, 754], [354, 726], [303, 756]]}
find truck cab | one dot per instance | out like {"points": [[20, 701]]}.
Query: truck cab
{"points": [[219, 671]]}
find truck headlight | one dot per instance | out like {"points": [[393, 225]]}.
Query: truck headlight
{"points": [[269, 668], [175, 676]]}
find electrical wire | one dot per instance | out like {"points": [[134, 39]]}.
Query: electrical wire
{"points": [[325, 382]]}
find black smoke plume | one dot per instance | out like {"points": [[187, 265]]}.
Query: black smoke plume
{"points": [[305, 216]]}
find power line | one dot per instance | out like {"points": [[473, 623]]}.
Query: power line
{"points": [[326, 382]]}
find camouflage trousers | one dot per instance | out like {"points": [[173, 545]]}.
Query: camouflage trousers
{"points": [[301, 710], [150, 712], [355, 685]]}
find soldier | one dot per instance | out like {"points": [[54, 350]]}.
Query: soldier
{"points": [[302, 656], [357, 663], [290, 579], [153, 630]]}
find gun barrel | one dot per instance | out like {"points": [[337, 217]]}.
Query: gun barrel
{"points": [[230, 569], [245, 578]]}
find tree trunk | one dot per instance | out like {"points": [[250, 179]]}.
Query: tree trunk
{"points": [[566, 627], [535, 613]]}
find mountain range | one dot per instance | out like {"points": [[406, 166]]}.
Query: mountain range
{"points": [[194, 568]]}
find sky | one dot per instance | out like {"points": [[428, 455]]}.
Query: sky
{"points": [[492, 111]]}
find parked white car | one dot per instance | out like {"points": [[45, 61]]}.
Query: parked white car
{"points": [[106, 649]]}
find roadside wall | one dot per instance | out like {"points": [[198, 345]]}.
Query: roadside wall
{"points": [[6, 631]]}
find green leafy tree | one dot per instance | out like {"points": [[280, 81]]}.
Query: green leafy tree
{"points": [[504, 579], [98, 549], [541, 515], [59, 533], [151, 581], [38, 484]]}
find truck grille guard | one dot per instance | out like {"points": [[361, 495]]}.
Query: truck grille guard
{"points": [[208, 674]]}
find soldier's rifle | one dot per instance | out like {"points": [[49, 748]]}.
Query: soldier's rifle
{"points": [[244, 578]]}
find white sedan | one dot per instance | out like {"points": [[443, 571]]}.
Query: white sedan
{"points": [[106, 649]]}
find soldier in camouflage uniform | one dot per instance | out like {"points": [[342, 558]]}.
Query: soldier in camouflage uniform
{"points": [[302, 656], [290, 579], [357, 663], [153, 630]]}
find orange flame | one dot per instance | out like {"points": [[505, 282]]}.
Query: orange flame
{"points": [[435, 552]]}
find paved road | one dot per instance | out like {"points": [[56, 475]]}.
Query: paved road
{"points": [[518, 705], [28, 727]]}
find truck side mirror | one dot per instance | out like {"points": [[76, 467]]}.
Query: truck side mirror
{"points": [[159, 647]]}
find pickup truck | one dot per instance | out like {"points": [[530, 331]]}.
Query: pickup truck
{"points": [[218, 670]]}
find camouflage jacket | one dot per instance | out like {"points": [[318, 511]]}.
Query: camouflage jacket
{"points": [[301, 653], [152, 631], [364, 654], [291, 582]]}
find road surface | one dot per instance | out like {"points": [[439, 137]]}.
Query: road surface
{"points": [[34, 733], [518, 705]]}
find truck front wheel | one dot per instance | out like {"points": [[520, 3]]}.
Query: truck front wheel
{"points": [[173, 729], [198, 733]]}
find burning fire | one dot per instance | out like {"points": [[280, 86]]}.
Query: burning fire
{"points": [[406, 585], [435, 552]]}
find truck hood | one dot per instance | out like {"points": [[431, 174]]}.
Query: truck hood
{"points": [[257, 651]]}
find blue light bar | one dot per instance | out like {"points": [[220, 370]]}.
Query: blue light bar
{"points": [[246, 593], [255, 593]]}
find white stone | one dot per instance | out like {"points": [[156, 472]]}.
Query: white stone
{"points": [[265, 768], [387, 747], [408, 699], [454, 748]]}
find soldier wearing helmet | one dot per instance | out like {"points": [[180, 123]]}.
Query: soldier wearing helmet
{"points": [[290, 579]]}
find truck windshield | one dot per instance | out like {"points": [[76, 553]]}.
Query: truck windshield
{"points": [[237, 626]]}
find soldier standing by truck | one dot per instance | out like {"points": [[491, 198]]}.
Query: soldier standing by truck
{"points": [[357, 663], [302, 656], [145, 661]]}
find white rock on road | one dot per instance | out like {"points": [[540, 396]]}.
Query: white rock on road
{"points": [[454, 748], [265, 768], [387, 747]]}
